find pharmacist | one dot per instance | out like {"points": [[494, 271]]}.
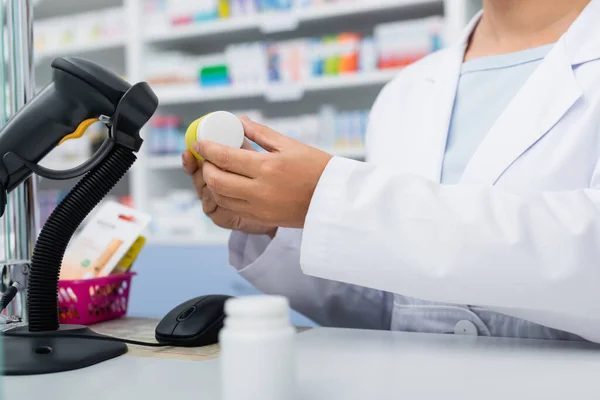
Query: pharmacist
{"points": [[478, 211]]}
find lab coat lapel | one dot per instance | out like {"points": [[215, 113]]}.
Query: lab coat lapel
{"points": [[540, 104], [445, 81]]}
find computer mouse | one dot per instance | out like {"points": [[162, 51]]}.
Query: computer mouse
{"points": [[195, 323]]}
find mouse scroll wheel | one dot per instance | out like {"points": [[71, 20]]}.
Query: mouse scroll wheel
{"points": [[185, 314]]}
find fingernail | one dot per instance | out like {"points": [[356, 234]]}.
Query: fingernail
{"points": [[245, 118], [196, 147]]}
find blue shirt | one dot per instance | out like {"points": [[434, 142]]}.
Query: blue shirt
{"points": [[486, 87]]}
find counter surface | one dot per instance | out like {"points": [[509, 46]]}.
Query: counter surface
{"points": [[344, 364]]}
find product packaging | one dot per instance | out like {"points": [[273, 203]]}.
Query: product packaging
{"points": [[349, 58], [97, 249]]}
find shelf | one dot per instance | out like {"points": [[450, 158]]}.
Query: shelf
{"points": [[164, 162], [357, 153], [81, 49], [60, 8], [201, 29], [181, 94], [348, 81], [217, 239], [279, 21], [274, 92], [174, 161]]}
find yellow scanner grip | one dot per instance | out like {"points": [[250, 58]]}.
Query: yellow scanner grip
{"points": [[80, 130]]}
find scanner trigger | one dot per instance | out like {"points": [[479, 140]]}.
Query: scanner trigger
{"points": [[80, 130]]}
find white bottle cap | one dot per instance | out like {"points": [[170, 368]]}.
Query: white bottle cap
{"points": [[220, 127], [257, 306]]}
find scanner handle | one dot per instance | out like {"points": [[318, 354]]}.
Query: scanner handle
{"points": [[71, 173]]}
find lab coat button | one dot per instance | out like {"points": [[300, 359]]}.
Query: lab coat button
{"points": [[465, 327]]}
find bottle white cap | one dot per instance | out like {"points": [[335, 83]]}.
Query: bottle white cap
{"points": [[257, 307], [257, 313], [220, 127]]}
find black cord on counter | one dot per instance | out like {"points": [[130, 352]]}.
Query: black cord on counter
{"points": [[58, 334]]}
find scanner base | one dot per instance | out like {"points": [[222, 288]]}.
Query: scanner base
{"points": [[32, 353]]}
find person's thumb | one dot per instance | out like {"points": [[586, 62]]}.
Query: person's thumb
{"points": [[264, 136]]}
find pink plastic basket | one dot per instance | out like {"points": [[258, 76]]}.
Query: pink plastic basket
{"points": [[88, 301]]}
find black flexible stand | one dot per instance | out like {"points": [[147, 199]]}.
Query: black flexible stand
{"points": [[27, 350], [34, 353], [32, 349]]}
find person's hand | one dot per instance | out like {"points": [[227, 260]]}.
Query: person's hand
{"points": [[220, 216], [274, 187]]}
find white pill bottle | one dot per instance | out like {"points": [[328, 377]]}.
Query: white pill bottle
{"points": [[257, 350]]}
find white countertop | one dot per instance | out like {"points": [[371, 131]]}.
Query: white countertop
{"points": [[349, 364]]}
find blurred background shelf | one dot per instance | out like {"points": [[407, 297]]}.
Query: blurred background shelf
{"points": [[82, 50], [191, 93], [357, 153], [164, 162], [281, 21], [184, 241], [44, 9], [348, 81]]}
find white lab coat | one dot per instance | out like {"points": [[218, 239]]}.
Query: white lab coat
{"points": [[518, 237]]}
